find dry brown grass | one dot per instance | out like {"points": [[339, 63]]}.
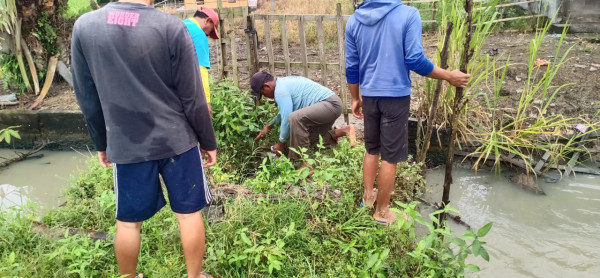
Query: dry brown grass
{"points": [[304, 7], [310, 28]]}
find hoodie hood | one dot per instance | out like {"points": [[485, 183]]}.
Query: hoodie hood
{"points": [[372, 11]]}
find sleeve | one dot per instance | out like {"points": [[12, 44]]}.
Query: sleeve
{"points": [[86, 93], [414, 57], [352, 59], [286, 107], [276, 120], [188, 85]]}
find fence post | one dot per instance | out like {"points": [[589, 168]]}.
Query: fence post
{"points": [[269, 42], [342, 58], [322, 50], [302, 35], [251, 46], [284, 44], [434, 15], [222, 41], [233, 47]]}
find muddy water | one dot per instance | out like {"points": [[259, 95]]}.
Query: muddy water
{"points": [[38, 180], [556, 235]]}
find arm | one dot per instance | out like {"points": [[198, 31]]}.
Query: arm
{"points": [[417, 62], [88, 99], [188, 85], [352, 72], [414, 58], [456, 77], [205, 86], [286, 108], [356, 101]]}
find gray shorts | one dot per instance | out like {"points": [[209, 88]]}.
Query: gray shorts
{"points": [[386, 127]]}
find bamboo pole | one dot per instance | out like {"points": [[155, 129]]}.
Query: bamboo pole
{"points": [[342, 61], [303, 57], [284, 43], [457, 107], [322, 50]]}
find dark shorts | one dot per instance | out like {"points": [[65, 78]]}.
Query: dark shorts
{"points": [[139, 193], [386, 127]]}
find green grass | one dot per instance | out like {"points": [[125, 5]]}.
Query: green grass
{"points": [[76, 8], [256, 238]]}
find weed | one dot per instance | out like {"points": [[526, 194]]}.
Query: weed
{"points": [[263, 238], [75, 8], [47, 34], [11, 73], [6, 134]]}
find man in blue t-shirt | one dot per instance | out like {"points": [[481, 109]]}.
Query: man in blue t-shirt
{"points": [[306, 110], [203, 24]]}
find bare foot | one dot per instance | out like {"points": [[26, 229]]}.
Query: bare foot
{"points": [[305, 165], [369, 199], [385, 216], [352, 135]]}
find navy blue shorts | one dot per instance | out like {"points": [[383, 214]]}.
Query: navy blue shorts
{"points": [[386, 127], [139, 193]]}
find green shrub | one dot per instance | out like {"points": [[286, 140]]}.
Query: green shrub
{"points": [[75, 8]]}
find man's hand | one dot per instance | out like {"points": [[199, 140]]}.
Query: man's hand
{"points": [[209, 157], [209, 107], [263, 132], [458, 78], [357, 109], [278, 148], [103, 160]]}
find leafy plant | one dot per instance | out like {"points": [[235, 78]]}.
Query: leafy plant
{"points": [[11, 73], [237, 121], [47, 34], [7, 133], [440, 253]]}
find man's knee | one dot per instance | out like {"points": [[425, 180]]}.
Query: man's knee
{"points": [[294, 118], [129, 225]]}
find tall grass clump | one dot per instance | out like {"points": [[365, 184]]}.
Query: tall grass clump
{"points": [[531, 130], [453, 12]]}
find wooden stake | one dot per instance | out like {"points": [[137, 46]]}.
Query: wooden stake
{"points": [[342, 61], [436, 96], [457, 107]]}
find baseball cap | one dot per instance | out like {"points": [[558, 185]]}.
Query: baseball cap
{"points": [[257, 82], [214, 17]]}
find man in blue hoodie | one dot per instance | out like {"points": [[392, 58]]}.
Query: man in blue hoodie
{"points": [[383, 44]]}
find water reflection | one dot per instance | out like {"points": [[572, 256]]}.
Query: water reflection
{"points": [[40, 181], [552, 235]]}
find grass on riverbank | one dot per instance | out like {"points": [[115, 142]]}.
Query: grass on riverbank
{"points": [[295, 237]]}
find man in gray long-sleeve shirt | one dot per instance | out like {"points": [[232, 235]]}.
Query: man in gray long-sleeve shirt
{"points": [[146, 112]]}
